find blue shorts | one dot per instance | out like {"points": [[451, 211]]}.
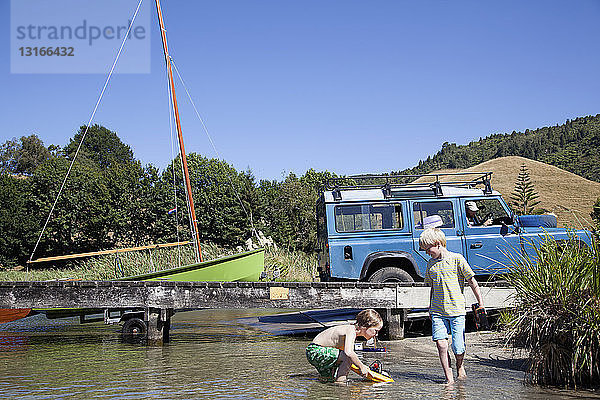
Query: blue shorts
{"points": [[442, 327]]}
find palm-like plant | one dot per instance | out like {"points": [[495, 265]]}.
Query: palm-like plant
{"points": [[557, 312]]}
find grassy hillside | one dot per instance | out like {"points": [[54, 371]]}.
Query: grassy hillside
{"points": [[566, 194], [573, 146]]}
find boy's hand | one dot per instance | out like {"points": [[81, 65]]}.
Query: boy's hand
{"points": [[364, 370]]}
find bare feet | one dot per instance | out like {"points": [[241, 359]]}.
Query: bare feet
{"points": [[462, 375], [449, 382]]}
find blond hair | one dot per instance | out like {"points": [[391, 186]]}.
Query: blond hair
{"points": [[431, 237], [368, 318]]}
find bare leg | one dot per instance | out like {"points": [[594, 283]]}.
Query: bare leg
{"points": [[460, 366], [343, 369], [442, 347]]}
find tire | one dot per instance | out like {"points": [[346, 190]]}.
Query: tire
{"points": [[391, 274], [134, 328]]}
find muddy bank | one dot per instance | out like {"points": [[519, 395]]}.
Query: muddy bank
{"points": [[483, 348]]}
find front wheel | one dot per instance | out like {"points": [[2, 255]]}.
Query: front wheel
{"points": [[391, 274]]}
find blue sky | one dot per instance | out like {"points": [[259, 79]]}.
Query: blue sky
{"points": [[346, 86]]}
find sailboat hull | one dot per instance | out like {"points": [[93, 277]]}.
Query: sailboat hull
{"points": [[13, 314], [239, 267], [245, 267]]}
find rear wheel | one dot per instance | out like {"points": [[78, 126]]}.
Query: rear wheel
{"points": [[134, 329], [391, 274]]}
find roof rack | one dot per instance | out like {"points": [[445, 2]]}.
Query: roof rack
{"points": [[433, 182]]}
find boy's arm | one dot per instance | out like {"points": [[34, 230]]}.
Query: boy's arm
{"points": [[349, 350], [429, 283], [465, 270], [430, 298], [476, 291]]}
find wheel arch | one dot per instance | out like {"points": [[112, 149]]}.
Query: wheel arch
{"points": [[381, 259]]}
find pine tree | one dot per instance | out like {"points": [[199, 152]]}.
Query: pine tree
{"points": [[595, 214], [524, 195]]}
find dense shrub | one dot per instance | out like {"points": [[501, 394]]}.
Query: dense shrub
{"points": [[557, 313]]}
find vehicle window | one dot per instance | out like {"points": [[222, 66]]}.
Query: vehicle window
{"points": [[368, 217], [486, 212], [433, 214]]}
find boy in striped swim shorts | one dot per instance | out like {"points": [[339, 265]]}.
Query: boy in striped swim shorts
{"points": [[332, 351], [446, 274]]}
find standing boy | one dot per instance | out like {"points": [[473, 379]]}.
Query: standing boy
{"points": [[332, 351], [446, 273]]}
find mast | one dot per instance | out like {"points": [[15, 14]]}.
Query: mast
{"points": [[186, 175]]}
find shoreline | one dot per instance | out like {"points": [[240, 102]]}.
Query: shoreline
{"points": [[479, 344], [487, 348]]}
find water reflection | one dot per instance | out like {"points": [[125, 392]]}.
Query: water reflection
{"points": [[457, 391], [213, 355]]}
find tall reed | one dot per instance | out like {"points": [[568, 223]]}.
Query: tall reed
{"points": [[280, 264], [557, 312], [290, 265]]}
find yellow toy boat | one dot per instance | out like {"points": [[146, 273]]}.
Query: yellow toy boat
{"points": [[372, 375]]}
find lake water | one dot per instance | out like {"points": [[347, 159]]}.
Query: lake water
{"points": [[212, 355]]}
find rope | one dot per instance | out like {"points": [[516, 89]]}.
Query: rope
{"points": [[171, 116], [174, 183], [185, 188], [248, 214], [87, 127], [314, 319]]}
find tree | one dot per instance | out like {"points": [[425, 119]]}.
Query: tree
{"points": [[108, 201], [23, 156], [573, 146], [101, 145], [595, 214], [19, 221], [8, 156], [224, 200], [83, 217], [288, 208], [524, 195]]}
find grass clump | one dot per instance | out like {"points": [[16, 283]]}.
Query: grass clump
{"points": [[290, 265], [556, 318]]}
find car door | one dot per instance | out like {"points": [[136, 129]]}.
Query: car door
{"points": [[436, 214], [490, 238], [360, 229]]}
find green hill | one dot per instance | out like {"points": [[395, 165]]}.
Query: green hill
{"points": [[573, 146]]}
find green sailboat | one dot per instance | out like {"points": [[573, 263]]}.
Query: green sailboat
{"points": [[238, 267], [246, 266]]}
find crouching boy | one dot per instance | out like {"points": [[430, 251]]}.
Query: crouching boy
{"points": [[332, 351], [446, 273]]}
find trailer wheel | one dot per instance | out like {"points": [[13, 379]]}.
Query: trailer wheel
{"points": [[134, 329], [391, 274]]}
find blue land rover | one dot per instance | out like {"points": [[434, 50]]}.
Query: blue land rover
{"points": [[369, 226]]}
